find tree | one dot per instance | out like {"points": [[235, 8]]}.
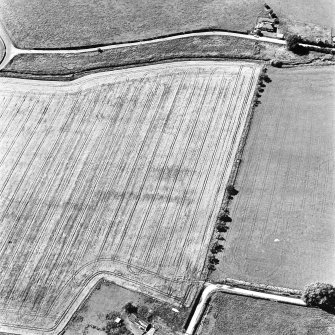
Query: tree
{"points": [[222, 228], [319, 294], [231, 190], [130, 308], [216, 248], [211, 267], [264, 77], [213, 260], [225, 218], [292, 42]]}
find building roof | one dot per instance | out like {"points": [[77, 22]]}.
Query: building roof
{"points": [[265, 26]]}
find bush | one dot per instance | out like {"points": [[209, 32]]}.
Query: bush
{"points": [[276, 63], [143, 312], [319, 294], [211, 267]]}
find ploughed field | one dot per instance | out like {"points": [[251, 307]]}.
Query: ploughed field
{"points": [[117, 175], [282, 231]]}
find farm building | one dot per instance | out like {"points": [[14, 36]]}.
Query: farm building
{"points": [[280, 33], [151, 331]]}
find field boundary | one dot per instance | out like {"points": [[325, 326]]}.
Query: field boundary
{"points": [[237, 160]]}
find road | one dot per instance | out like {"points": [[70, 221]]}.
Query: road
{"points": [[12, 50], [214, 288]]}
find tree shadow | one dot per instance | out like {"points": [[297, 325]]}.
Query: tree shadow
{"points": [[328, 309], [301, 51]]}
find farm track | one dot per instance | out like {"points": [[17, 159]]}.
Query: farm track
{"points": [[117, 173]]}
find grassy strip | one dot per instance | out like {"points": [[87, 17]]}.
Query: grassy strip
{"points": [[72, 66], [263, 288]]}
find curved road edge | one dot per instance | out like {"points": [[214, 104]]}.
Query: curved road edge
{"points": [[214, 288]]}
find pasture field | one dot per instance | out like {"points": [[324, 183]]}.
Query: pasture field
{"points": [[36, 24], [282, 231], [118, 175], [236, 315]]}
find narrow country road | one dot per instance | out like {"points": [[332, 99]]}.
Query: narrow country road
{"points": [[213, 288], [11, 51]]}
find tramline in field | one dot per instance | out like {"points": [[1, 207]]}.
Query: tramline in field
{"points": [[117, 175]]}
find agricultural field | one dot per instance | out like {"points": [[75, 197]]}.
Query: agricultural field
{"points": [[319, 13], [282, 231], [117, 175], [237, 315]]}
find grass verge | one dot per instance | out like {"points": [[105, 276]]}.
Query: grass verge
{"points": [[71, 66]]}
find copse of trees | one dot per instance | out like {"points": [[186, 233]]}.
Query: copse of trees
{"points": [[292, 42], [319, 295]]}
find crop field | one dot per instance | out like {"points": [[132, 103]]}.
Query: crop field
{"points": [[117, 175], [282, 231]]}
